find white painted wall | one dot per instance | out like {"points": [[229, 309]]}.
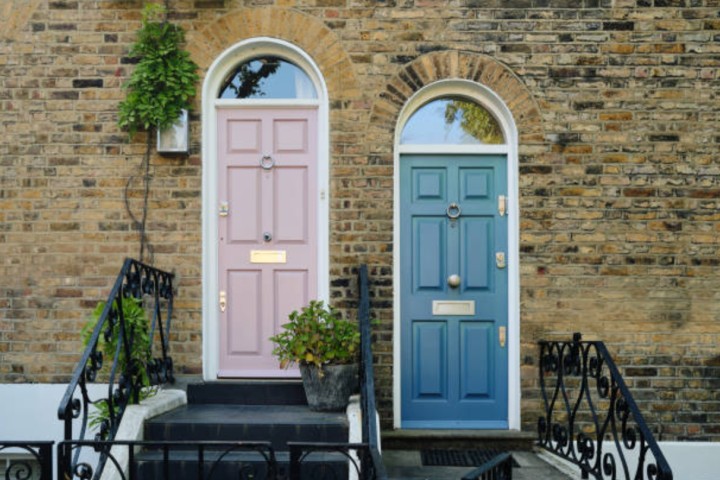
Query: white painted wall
{"points": [[688, 460], [29, 411]]}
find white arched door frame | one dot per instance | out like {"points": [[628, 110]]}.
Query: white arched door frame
{"points": [[218, 71], [493, 103]]}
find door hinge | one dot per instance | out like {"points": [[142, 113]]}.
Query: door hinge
{"points": [[502, 205]]}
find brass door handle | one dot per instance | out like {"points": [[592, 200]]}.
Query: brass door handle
{"points": [[502, 336]]}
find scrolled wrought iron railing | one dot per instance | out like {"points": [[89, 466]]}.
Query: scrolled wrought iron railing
{"points": [[590, 416], [370, 434], [27, 460], [125, 374], [200, 460]]}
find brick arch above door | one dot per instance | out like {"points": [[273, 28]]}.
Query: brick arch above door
{"points": [[304, 31], [437, 66]]}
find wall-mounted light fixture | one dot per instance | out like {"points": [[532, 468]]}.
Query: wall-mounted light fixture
{"points": [[175, 138]]}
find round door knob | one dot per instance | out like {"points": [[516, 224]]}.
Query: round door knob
{"points": [[267, 236], [454, 280]]}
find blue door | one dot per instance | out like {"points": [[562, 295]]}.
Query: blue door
{"points": [[454, 291]]}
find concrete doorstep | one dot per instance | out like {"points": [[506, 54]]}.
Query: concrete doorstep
{"points": [[407, 465]]}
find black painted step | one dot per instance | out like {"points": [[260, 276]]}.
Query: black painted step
{"points": [[451, 439], [185, 465], [277, 424], [261, 392]]}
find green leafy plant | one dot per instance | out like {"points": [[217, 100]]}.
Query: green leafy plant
{"points": [[317, 335], [137, 329], [163, 81], [160, 87]]}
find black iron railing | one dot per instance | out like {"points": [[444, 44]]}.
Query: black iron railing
{"points": [[591, 418], [370, 433], [124, 374], [310, 460], [27, 460], [499, 468], [158, 460]]}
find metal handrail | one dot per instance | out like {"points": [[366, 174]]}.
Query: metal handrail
{"points": [[499, 468], [124, 375], [578, 427], [370, 432]]}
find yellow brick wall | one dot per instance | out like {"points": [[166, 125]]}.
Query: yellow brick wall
{"points": [[616, 105]]}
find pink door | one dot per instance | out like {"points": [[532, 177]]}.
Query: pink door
{"points": [[267, 190]]}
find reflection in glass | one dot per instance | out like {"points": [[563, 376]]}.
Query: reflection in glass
{"points": [[452, 121], [267, 77]]}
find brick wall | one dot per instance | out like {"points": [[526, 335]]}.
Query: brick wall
{"points": [[617, 107]]}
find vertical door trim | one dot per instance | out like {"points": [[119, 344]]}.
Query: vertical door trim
{"points": [[490, 100], [216, 73]]}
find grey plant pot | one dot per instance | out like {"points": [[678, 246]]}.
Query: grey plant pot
{"points": [[330, 392]]}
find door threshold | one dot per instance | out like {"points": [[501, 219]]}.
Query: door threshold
{"points": [[414, 439]]}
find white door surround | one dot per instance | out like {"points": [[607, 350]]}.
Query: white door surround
{"points": [[493, 103], [217, 72]]}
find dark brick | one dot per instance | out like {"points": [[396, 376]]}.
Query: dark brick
{"points": [[641, 372], [618, 26], [88, 83], [589, 105], [535, 169], [664, 138], [62, 26], [209, 3], [64, 95], [63, 5]]}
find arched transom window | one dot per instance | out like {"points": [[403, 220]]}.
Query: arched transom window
{"points": [[452, 120], [267, 77]]}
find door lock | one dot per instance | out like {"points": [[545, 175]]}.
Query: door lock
{"points": [[223, 301], [224, 209], [500, 260], [502, 336]]}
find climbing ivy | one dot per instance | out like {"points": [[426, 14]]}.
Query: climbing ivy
{"points": [[163, 81]]}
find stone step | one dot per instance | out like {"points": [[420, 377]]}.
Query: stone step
{"points": [[260, 392], [447, 439], [183, 465], [277, 424]]}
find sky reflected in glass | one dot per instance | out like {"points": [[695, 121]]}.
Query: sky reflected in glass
{"points": [[452, 121], [268, 78]]}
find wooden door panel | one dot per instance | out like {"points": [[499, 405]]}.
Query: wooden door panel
{"points": [[291, 205], [244, 328], [243, 136], [244, 194], [453, 373], [267, 252], [430, 360]]}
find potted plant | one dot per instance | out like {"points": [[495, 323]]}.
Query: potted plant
{"points": [[325, 347]]}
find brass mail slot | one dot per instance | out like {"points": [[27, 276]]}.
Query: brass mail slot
{"points": [[453, 307], [268, 256]]}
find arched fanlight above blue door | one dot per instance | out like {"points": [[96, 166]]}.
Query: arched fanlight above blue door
{"points": [[452, 121], [267, 77]]}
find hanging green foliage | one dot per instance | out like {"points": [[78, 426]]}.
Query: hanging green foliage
{"points": [[163, 81]]}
